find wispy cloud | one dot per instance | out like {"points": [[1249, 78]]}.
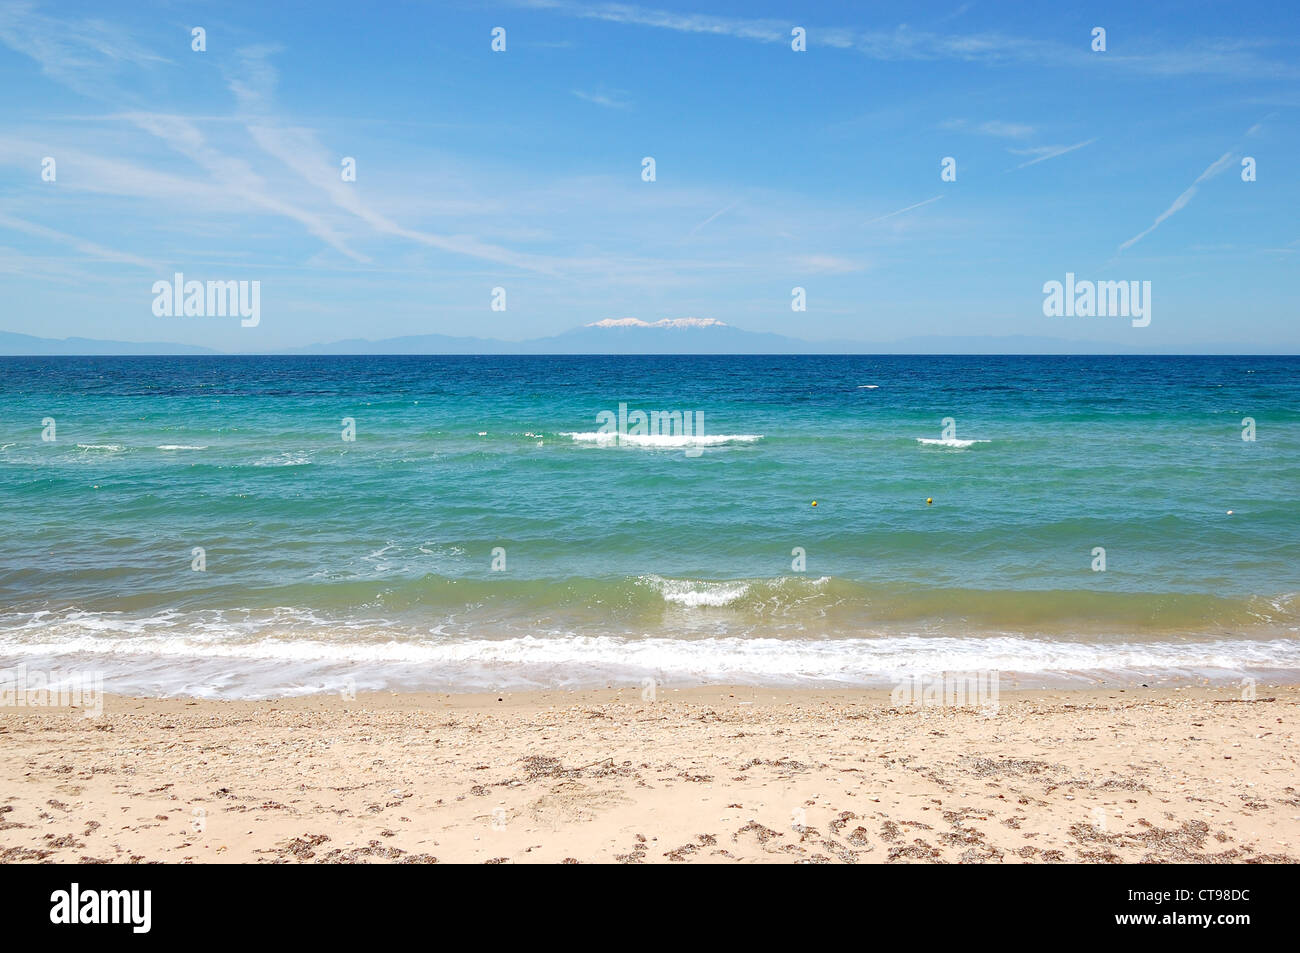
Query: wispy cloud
{"points": [[956, 13], [299, 150], [993, 127], [83, 55], [608, 100], [828, 264], [1215, 167], [254, 79], [1006, 130], [1225, 57], [251, 78], [88, 248], [768, 31], [1043, 153], [237, 177]]}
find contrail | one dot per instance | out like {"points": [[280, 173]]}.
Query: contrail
{"points": [[1215, 167], [711, 218], [1052, 154], [902, 210]]}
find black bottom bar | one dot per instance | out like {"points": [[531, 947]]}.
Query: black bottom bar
{"points": [[218, 903]]}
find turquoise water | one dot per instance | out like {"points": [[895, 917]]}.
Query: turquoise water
{"points": [[371, 560]]}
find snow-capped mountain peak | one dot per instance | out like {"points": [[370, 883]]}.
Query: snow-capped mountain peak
{"points": [[662, 323]]}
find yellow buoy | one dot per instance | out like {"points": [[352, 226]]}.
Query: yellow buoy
{"points": [[929, 500], [814, 502]]}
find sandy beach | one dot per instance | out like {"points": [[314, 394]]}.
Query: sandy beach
{"points": [[719, 774]]}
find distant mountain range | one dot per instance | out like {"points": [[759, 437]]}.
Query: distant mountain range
{"points": [[611, 336], [25, 345]]}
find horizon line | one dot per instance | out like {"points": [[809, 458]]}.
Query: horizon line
{"points": [[246, 354]]}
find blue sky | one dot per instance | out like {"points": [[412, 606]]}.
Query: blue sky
{"points": [[522, 169]]}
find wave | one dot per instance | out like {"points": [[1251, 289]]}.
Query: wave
{"points": [[210, 663], [792, 605], [949, 442], [286, 459], [441, 633], [605, 438], [692, 593], [180, 446]]}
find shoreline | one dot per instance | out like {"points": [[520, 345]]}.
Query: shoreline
{"points": [[711, 774], [250, 679]]}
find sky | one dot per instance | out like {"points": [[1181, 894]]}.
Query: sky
{"points": [[775, 168]]}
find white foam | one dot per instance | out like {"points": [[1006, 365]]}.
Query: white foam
{"points": [[227, 664], [693, 594], [180, 446], [287, 459], [949, 442], [661, 440]]}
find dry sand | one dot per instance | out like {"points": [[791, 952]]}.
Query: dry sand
{"points": [[705, 775]]}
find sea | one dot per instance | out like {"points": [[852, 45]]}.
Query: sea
{"points": [[252, 527]]}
